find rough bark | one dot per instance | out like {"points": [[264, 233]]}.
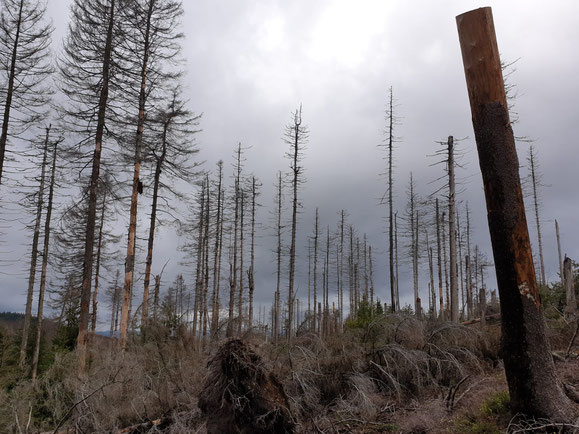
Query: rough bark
{"points": [[439, 254], [534, 388]]}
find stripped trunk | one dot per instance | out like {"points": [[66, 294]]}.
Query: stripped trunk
{"points": [[533, 386], [452, 233], [82, 339], [217, 257], [98, 263], [316, 311], [561, 272], [39, 315], [130, 261], [250, 273], [34, 255], [439, 254]]}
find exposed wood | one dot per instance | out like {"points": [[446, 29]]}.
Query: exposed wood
{"points": [[571, 301], [561, 271], [452, 233], [533, 386]]}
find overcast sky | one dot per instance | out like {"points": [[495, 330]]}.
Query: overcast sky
{"points": [[251, 63]]}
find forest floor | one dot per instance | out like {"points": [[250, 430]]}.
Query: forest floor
{"points": [[392, 374]]}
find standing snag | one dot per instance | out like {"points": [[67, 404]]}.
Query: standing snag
{"points": [[534, 388]]}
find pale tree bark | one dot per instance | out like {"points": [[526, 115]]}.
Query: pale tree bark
{"points": [[217, 248], [341, 270], [452, 233], [534, 388], [98, 262], [439, 254], [535, 178], [469, 299], [82, 340], [445, 267], [34, 255], [390, 146], [250, 273], [233, 266], [561, 272], [41, 291], [241, 257], [130, 259], [571, 301], [199, 261]]}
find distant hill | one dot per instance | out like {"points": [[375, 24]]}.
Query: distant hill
{"points": [[11, 319]]}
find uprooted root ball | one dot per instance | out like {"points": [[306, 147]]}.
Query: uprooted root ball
{"points": [[240, 396]]}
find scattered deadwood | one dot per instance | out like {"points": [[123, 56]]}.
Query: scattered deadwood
{"points": [[487, 318], [240, 396]]}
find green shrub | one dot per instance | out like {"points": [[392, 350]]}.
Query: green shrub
{"points": [[499, 403]]}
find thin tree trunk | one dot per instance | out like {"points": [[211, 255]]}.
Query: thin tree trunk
{"points": [[533, 386], [341, 272], [130, 261], [390, 200], [10, 90], [535, 183], [98, 264], [561, 272], [571, 301], [396, 260], [205, 317], [252, 264], [82, 338], [152, 225], [156, 297], [277, 313], [199, 264], [439, 254], [217, 257], [34, 256], [470, 311], [452, 233], [445, 266], [241, 255], [316, 235], [373, 307], [233, 276], [41, 291]]}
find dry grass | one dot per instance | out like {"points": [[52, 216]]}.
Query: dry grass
{"points": [[395, 375]]}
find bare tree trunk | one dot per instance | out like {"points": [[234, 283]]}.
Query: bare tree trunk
{"points": [[341, 272], [98, 264], [217, 257], [152, 225], [452, 233], [41, 291], [233, 276], [461, 277], [390, 201], [445, 267], [34, 255], [82, 338], [439, 254], [396, 260], [571, 302], [316, 235], [535, 183], [533, 386], [561, 272], [296, 138], [156, 297], [277, 313], [252, 265], [373, 307], [205, 317], [241, 254], [130, 261], [470, 311], [199, 262], [432, 306], [114, 303], [327, 289], [10, 92]]}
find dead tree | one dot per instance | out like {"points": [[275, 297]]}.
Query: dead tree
{"points": [[316, 238], [277, 298], [250, 273], [233, 266], [534, 388], [452, 232], [535, 180], [439, 254], [217, 250], [41, 291], [25, 66], [34, 254], [561, 272], [296, 135], [571, 302]]}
